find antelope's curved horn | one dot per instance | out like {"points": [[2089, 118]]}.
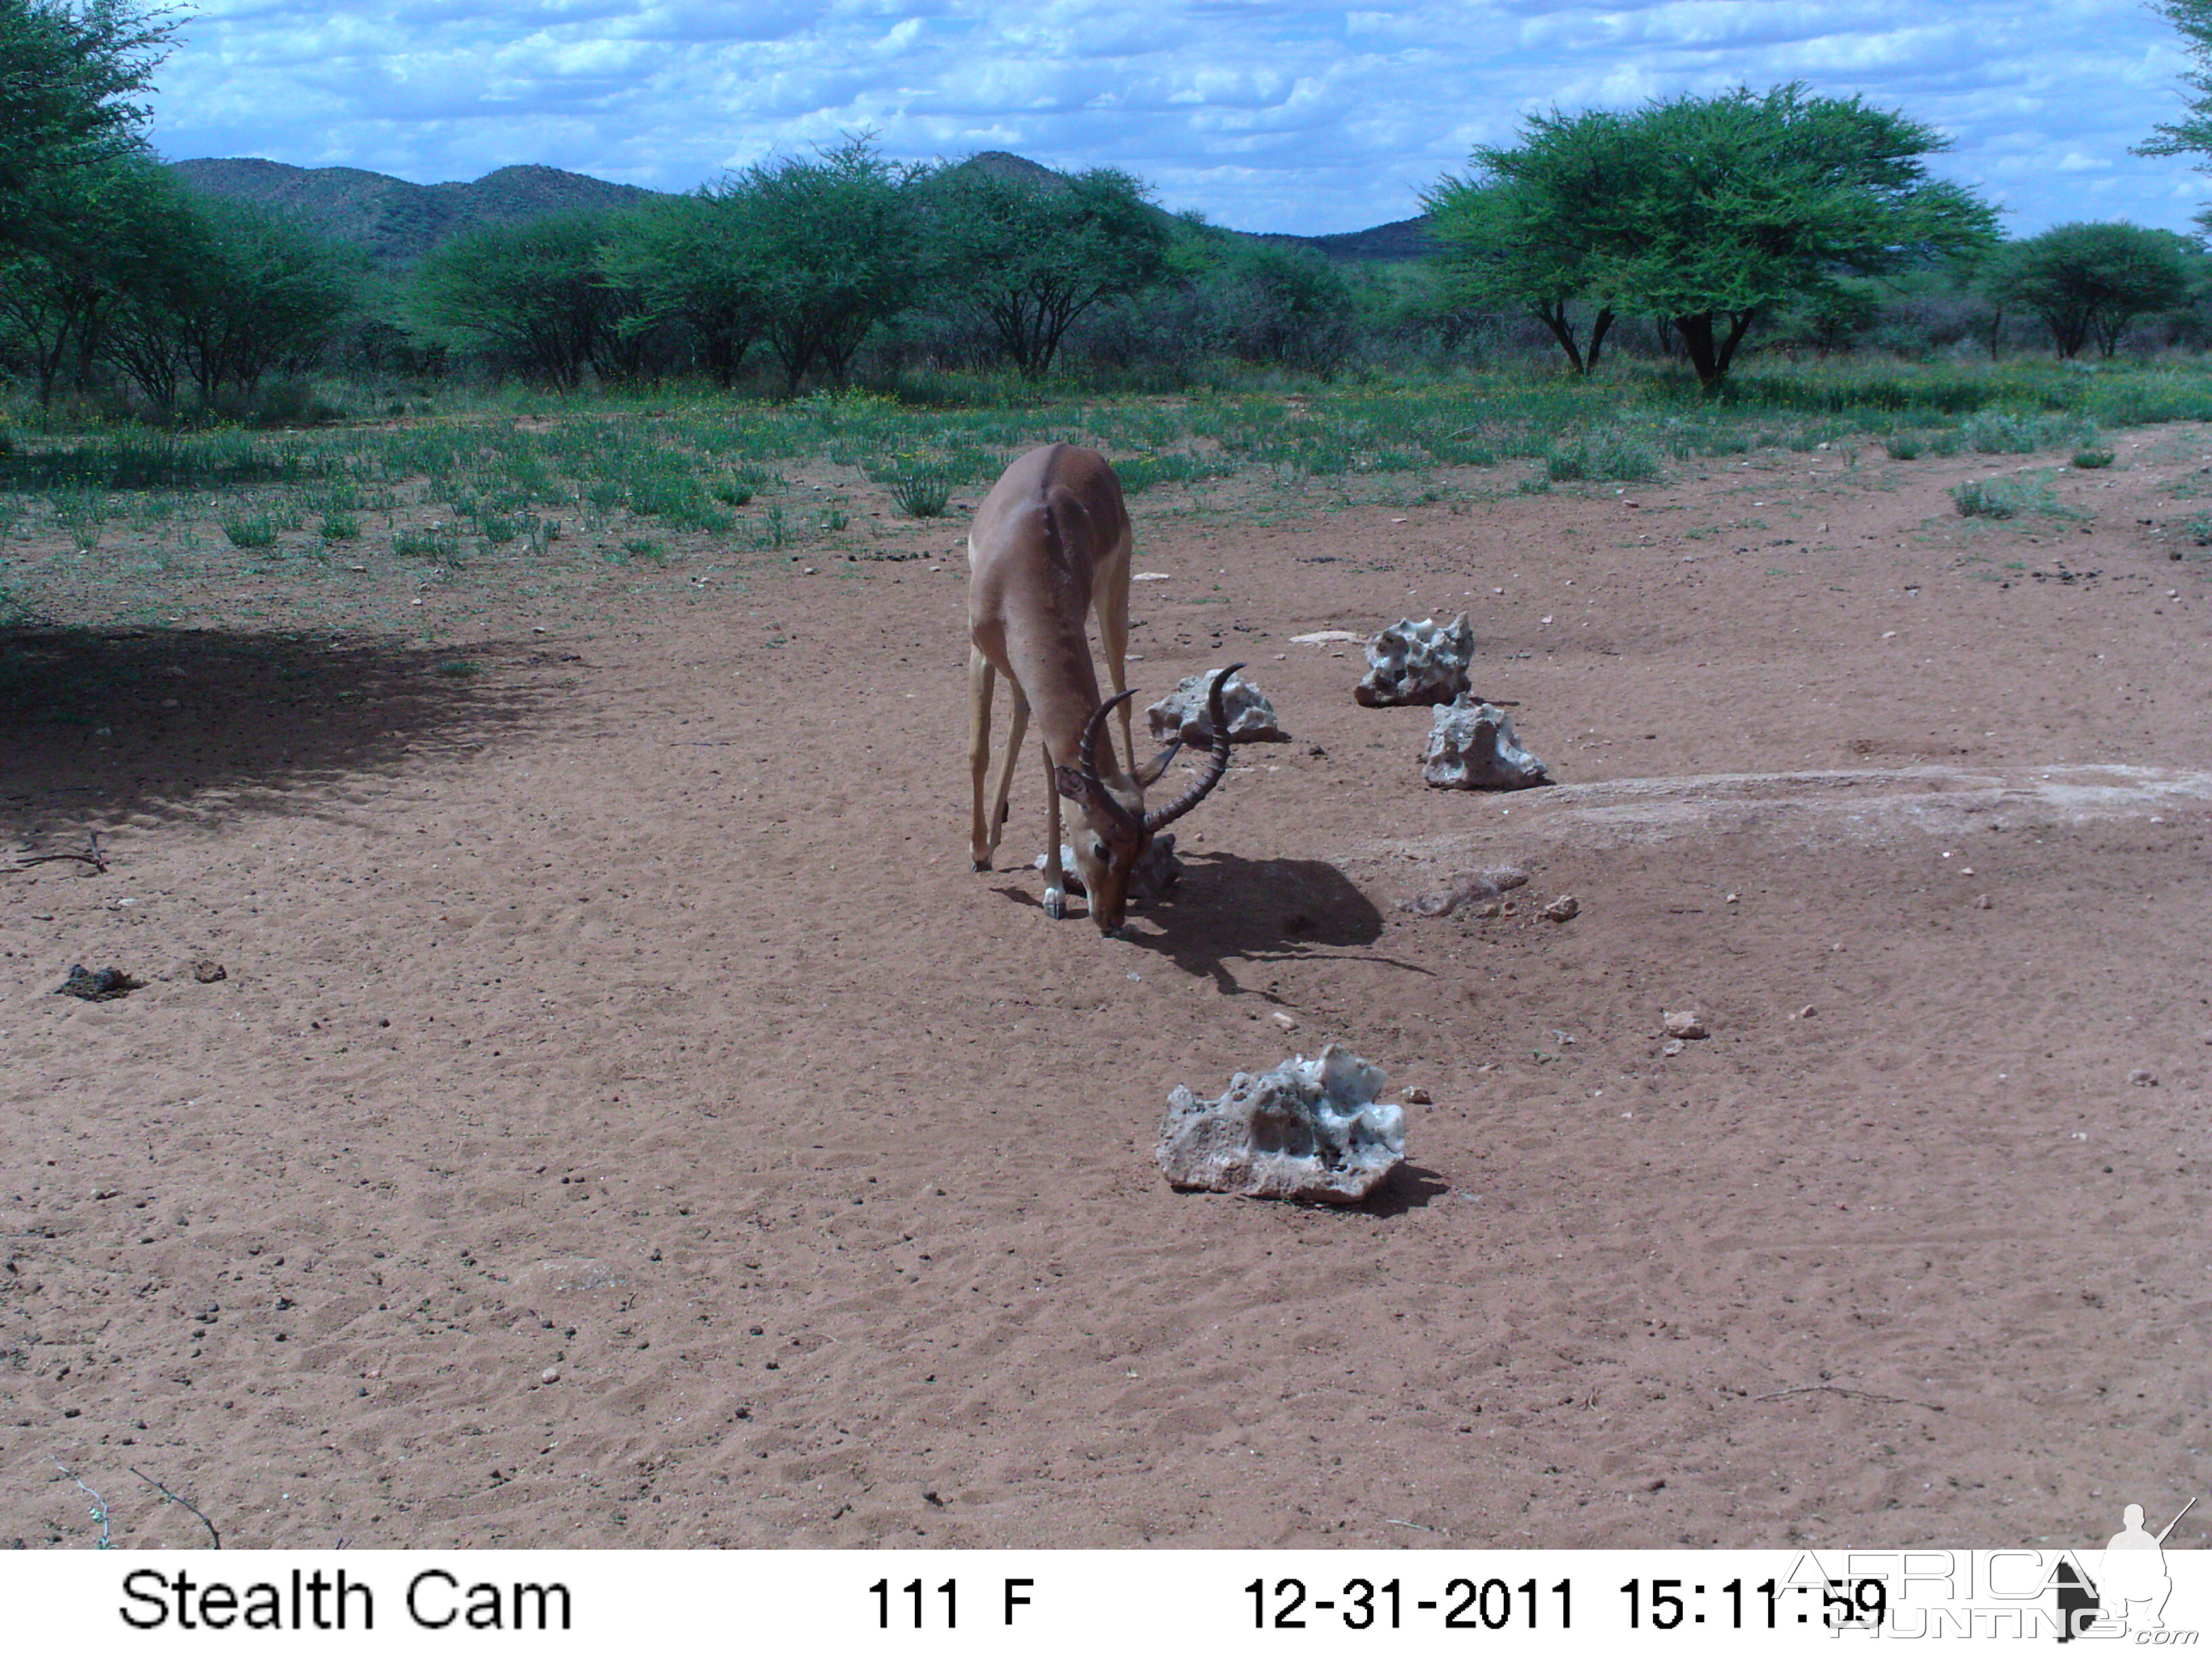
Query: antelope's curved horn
{"points": [[1155, 822], [1088, 759]]}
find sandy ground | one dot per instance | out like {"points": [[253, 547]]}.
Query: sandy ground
{"points": [[625, 1119]]}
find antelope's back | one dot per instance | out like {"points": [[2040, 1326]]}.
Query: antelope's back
{"points": [[1053, 516]]}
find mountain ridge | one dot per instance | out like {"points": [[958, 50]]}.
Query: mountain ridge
{"points": [[396, 221]]}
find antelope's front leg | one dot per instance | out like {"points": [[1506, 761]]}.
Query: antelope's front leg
{"points": [[981, 842], [1113, 603], [1055, 881]]}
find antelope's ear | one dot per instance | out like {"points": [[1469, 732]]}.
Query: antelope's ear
{"points": [[1149, 773], [1069, 782]]}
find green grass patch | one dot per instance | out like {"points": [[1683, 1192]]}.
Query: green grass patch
{"points": [[250, 529], [1607, 455], [158, 461], [440, 543], [2007, 498]]}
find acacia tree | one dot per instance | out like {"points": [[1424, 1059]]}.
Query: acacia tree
{"points": [[269, 291], [535, 292], [692, 260], [1273, 304], [1514, 238], [66, 74], [1032, 255], [127, 220], [836, 245], [2192, 134], [1713, 213], [213, 294], [2089, 280]]}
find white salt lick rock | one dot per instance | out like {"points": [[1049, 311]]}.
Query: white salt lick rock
{"points": [[1310, 1130], [1416, 662]]}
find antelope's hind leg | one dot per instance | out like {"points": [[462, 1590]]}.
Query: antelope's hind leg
{"points": [[1018, 727], [982, 837]]}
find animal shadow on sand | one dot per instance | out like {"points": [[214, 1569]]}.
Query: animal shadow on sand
{"points": [[1229, 908], [96, 724]]}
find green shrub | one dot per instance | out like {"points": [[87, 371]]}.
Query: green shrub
{"points": [[2005, 498], [81, 513], [2089, 459], [340, 527], [1608, 453], [1991, 434], [441, 542], [921, 492], [250, 530], [1902, 445]]}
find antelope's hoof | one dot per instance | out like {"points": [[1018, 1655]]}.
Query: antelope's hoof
{"points": [[1056, 903], [979, 866]]}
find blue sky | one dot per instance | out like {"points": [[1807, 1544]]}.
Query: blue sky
{"points": [[1266, 114]]}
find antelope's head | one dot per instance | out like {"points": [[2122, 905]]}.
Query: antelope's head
{"points": [[1115, 828]]}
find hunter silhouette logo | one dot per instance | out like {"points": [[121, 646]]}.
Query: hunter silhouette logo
{"points": [[2131, 1584]]}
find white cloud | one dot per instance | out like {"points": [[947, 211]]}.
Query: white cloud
{"points": [[1268, 114]]}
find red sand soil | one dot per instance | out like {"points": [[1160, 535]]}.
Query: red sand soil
{"points": [[625, 1119]]}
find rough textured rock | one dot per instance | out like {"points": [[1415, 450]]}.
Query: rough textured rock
{"points": [[1152, 876], [1417, 662], [1181, 713], [104, 985], [1472, 746], [1684, 1023], [1468, 890], [1566, 907], [1310, 1130]]}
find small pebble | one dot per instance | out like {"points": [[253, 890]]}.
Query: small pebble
{"points": [[1284, 1021], [1414, 1096], [1808, 1011], [550, 1374], [1981, 902], [2141, 1077], [1673, 1047], [1683, 1023], [1566, 907]]}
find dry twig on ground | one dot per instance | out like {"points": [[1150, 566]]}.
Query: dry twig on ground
{"points": [[91, 855]]}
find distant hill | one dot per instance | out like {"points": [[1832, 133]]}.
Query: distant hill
{"points": [[1401, 239], [397, 222]]}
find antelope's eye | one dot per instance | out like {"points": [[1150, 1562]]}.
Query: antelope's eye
{"points": [[1098, 851]]}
